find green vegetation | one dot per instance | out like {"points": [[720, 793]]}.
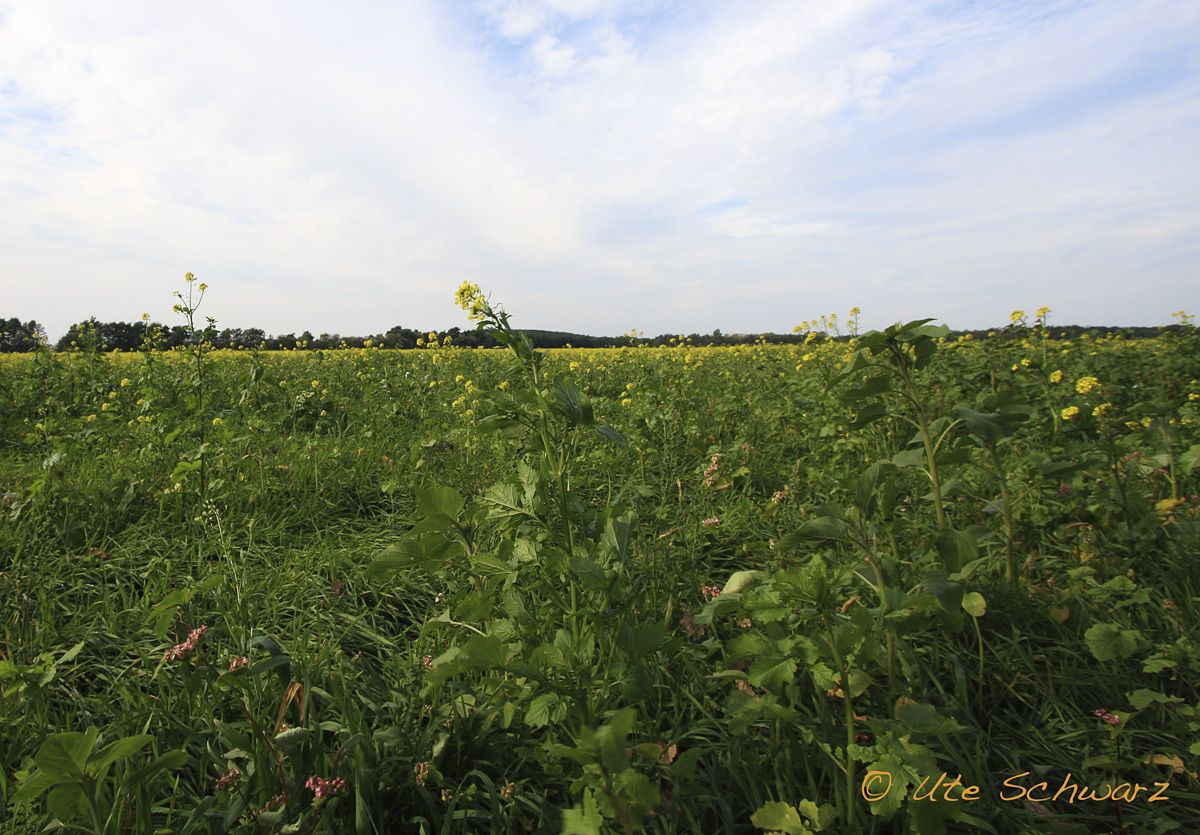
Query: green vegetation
{"points": [[676, 589]]}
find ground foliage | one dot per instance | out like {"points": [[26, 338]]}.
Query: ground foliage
{"points": [[673, 589]]}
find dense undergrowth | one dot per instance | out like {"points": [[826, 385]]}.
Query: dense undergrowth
{"points": [[674, 590]]}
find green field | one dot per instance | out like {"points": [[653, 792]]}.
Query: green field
{"points": [[680, 589]]}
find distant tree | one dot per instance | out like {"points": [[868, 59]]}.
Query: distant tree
{"points": [[18, 336]]}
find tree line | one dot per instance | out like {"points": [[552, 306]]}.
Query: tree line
{"points": [[92, 334]]}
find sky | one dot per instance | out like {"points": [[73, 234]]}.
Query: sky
{"points": [[674, 166]]}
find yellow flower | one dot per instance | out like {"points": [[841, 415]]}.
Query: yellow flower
{"points": [[217, 421], [1026, 362], [124, 382], [470, 298], [104, 407], [458, 378], [574, 366], [625, 401], [1165, 506], [316, 384], [1017, 316], [90, 418], [1085, 385], [1042, 312], [503, 385], [1069, 412], [1101, 409], [1056, 376]]}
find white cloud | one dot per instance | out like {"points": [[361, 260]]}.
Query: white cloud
{"points": [[343, 169]]}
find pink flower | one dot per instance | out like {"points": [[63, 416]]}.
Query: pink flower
{"points": [[238, 663], [229, 780], [710, 592], [711, 470], [1110, 718], [325, 788], [427, 662], [711, 521], [183, 650]]}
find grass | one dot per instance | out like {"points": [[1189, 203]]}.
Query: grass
{"points": [[532, 670]]}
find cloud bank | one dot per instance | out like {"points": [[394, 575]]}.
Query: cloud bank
{"points": [[600, 165]]}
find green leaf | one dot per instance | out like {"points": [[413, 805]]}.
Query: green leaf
{"points": [[1109, 642], [31, 787], [741, 580], [66, 754], [116, 750], [948, 593], [572, 403], [585, 819], [924, 719], [292, 736], [1142, 698], [914, 457], [166, 762], [610, 434], [771, 673], [974, 604], [636, 792], [483, 652], [544, 709], [988, 428], [779, 817], [490, 565], [591, 576], [65, 801], [444, 501]]}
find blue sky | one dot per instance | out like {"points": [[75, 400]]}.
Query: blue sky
{"points": [[601, 165]]}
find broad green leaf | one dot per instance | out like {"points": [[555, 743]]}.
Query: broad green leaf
{"points": [[948, 593], [974, 604], [591, 576], [584, 819], [772, 673], [33, 786], [779, 817], [1109, 642], [741, 580], [66, 801], [66, 754], [490, 565], [446, 501], [116, 750], [544, 709], [610, 434], [1142, 698]]}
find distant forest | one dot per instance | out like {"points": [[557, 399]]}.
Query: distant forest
{"points": [[18, 336]]}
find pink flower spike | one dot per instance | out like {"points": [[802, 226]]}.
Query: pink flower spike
{"points": [[183, 650], [711, 521], [238, 663], [325, 788], [1110, 718]]}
